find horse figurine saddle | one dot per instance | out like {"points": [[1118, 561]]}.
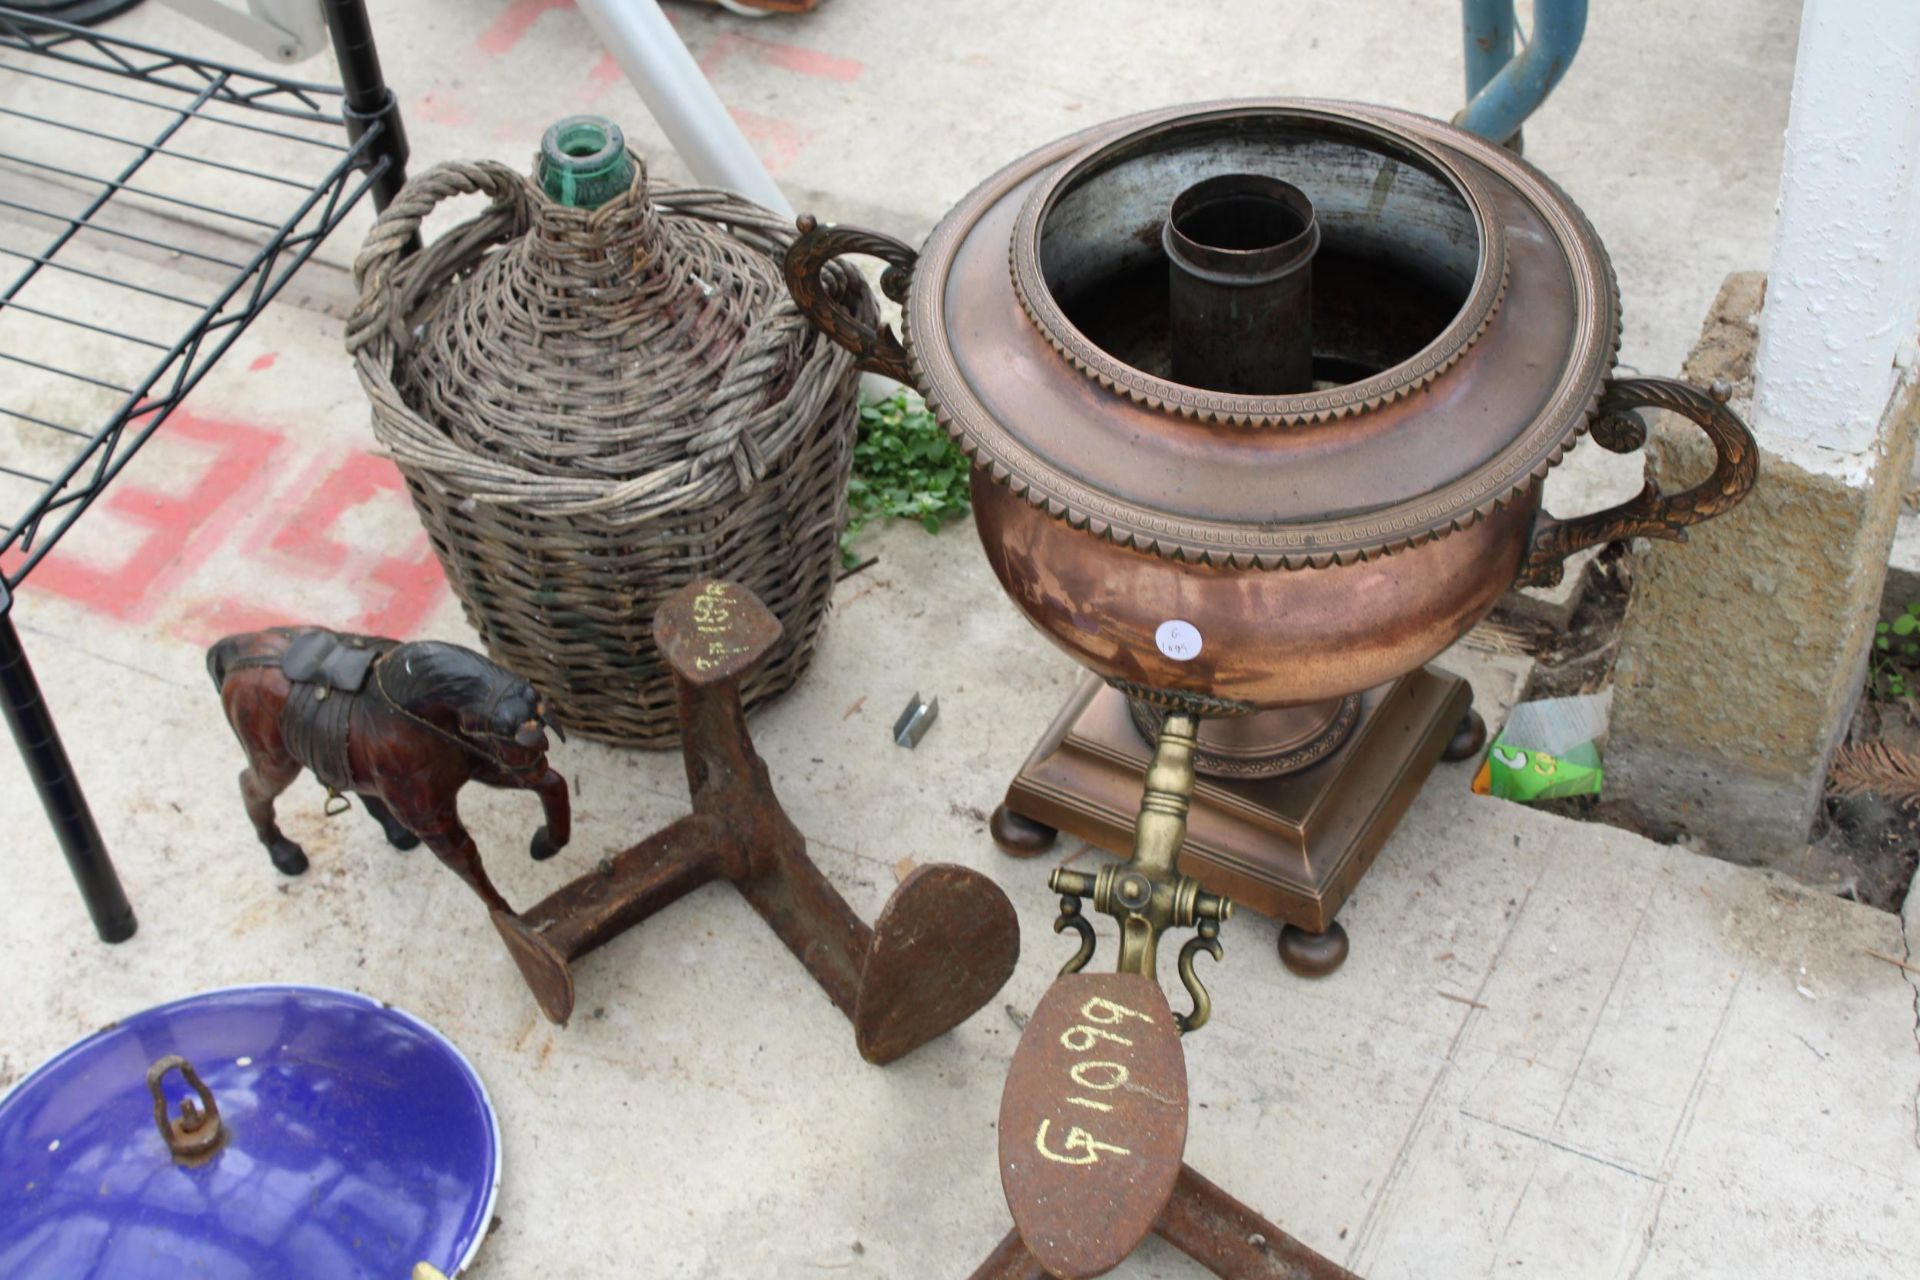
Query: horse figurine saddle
{"points": [[328, 671], [332, 660]]}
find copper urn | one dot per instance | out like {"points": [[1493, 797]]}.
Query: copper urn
{"points": [[1260, 396]]}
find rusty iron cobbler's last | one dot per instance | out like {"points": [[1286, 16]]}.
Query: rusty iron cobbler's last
{"points": [[1093, 1120], [943, 944]]}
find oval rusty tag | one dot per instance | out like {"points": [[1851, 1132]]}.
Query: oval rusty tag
{"points": [[1093, 1121]]}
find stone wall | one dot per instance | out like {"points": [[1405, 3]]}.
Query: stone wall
{"points": [[1744, 649]]}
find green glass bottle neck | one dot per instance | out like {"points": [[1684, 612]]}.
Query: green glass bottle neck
{"points": [[584, 162]]}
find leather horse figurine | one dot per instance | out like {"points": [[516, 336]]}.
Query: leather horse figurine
{"points": [[402, 726]]}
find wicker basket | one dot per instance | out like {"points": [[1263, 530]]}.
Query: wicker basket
{"points": [[593, 407]]}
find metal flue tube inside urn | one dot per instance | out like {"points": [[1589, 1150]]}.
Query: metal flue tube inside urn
{"points": [[1240, 266]]}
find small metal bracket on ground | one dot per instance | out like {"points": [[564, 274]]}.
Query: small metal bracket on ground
{"points": [[945, 942], [915, 721]]}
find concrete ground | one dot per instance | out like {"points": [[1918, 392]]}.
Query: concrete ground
{"points": [[1556, 1050]]}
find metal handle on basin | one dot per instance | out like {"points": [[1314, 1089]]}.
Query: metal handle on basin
{"points": [[196, 1133], [1650, 514], [875, 346]]}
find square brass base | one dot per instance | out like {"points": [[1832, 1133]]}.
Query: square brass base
{"points": [[1291, 847]]}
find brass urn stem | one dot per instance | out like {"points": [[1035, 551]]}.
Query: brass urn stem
{"points": [[1147, 894], [1157, 837]]}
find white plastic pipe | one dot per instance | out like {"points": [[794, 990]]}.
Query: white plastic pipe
{"points": [[284, 30], [691, 114]]}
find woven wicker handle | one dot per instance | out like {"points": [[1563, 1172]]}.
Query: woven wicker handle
{"points": [[875, 348], [386, 244]]}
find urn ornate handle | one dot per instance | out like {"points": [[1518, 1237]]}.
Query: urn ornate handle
{"points": [[875, 347], [1650, 514]]}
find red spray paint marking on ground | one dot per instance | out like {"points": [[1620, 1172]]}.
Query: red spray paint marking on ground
{"points": [[261, 363], [414, 586], [398, 591], [410, 590], [604, 73], [507, 30], [303, 536], [182, 530], [790, 57], [443, 108], [207, 622], [778, 143]]}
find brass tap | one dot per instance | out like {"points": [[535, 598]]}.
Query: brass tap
{"points": [[1147, 894]]}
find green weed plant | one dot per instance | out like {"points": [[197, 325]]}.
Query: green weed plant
{"points": [[905, 466], [1895, 646]]}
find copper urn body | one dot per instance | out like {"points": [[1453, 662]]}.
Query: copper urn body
{"points": [[1313, 544]]}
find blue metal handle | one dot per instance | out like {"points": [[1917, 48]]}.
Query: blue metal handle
{"points": [[1487, 26], [1504, 90]]}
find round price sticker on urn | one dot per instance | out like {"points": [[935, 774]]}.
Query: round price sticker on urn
{"points": [[1178, 640]]}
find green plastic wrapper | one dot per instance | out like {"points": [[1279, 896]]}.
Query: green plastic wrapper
{"points": [[1548, 750]]}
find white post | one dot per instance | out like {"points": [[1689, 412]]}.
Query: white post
{"points": [[1744, 653], [1843, 296], [689, 112]]}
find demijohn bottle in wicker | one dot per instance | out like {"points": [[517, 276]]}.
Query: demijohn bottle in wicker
{"points": [[598, 390]]}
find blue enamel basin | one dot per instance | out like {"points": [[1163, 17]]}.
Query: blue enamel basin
{"points": [[359, 1142]]}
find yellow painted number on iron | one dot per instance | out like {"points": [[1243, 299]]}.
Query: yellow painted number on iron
{"points": [[710, 611], [1078, 1139], [1107, 1013], [1082, 1038], [1099, 1076], [710, 615]]}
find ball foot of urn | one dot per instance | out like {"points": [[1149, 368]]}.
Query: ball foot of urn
{"points": [[1313, 955], [1018, 836]]}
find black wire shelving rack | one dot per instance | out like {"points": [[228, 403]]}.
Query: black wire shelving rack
{"points": [[126, 170]]}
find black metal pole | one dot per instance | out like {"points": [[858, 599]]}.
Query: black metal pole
{"points": [[46, 759], [368, 99]]}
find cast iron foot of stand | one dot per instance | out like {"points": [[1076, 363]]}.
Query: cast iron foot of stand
{"points": [[944, 943], [1468, 737], [1313, 955], [1020, 837], [1092, 1127], [1206, 1224]]}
